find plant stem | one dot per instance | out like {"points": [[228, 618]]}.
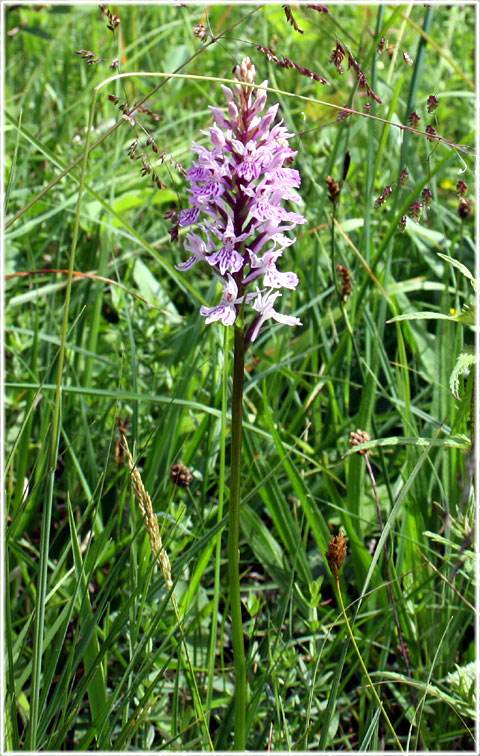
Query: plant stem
{"points": [[357, 650], [233, 543]]}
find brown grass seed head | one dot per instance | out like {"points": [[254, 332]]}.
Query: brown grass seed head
{"points": [[336, 552]]}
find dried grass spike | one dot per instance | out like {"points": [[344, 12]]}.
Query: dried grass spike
{"points": [[285, 62], [149, 518], [112, 18], [291, 19], [336, 57]]}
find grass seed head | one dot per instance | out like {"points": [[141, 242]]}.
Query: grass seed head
{"points": [[181, 475], [336, 552], [432, 104], [359, 437], [413, 120], [465, 207]]}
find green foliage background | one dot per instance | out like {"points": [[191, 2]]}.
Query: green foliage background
{"points": [[101, 665]]}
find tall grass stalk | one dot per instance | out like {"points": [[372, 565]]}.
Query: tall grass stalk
{"points": [[335, 566], [161, 557], [39, 628]]}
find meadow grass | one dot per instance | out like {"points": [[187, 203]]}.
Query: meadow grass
{"points": [[103, 338]]}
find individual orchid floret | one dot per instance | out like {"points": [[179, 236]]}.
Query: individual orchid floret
{"points": [[226, 311], [263, 304], [199, 249], [266, 266], [227, 256], [239, 185]]}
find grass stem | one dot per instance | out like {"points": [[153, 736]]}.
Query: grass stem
{"points": [[362, 663]]}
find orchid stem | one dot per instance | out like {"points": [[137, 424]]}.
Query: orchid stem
{"points": [[233, 543]]}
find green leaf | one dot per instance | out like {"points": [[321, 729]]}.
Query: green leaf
{"points": [[464, 362]]}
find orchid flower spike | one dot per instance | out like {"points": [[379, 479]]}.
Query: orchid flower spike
{"points": [[237, 190]]}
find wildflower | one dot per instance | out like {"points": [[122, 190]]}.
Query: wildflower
{"points": [[238, 187], [407, 58], [264, 306], [402, 224], [431, 133], [462, 188], [226, 311], [199, 249]]}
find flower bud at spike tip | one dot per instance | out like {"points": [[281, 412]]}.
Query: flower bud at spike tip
{"points": [[238, 186]]}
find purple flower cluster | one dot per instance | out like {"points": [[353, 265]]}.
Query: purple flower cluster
{"points": [[236, 192]]}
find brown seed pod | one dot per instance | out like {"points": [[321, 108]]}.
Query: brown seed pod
{"points": [[181, 475]]}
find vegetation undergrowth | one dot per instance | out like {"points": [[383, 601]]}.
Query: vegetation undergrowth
{"points": [[359, 422]]}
